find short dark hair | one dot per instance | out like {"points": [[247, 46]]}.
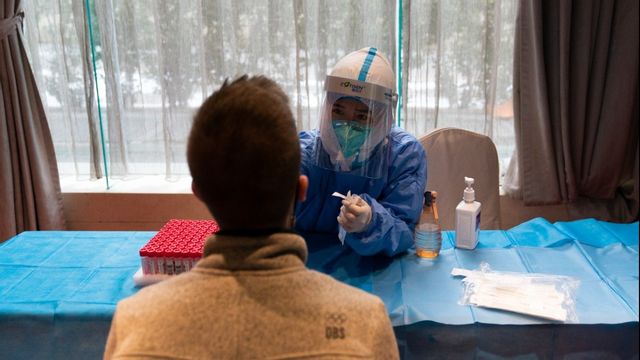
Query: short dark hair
{"points": [[244, 154]]}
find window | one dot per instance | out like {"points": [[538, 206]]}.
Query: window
{"points": [[155, 62]]}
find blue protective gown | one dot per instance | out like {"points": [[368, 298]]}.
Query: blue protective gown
{"points": [[396, 199]]}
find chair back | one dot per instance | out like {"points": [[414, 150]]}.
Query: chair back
{"points": [[453, 154]]}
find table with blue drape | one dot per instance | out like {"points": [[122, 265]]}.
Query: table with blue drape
{"points": [[58, 291]]}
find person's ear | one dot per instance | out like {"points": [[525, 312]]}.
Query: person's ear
{"points": [[303, 185], [195, 191]]}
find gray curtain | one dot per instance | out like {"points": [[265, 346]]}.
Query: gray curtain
{"points": [[576, 103], [30, 196]]}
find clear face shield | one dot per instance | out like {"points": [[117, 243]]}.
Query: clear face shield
{"points": [[355, 119]]}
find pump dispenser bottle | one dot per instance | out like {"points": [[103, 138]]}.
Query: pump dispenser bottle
{"points": [[468, 218]]}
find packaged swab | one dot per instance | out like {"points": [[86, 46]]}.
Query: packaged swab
{"points": [[541, 295], [347, 197]]}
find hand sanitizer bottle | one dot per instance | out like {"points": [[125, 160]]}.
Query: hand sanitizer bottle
{"points": [[468, 218]]}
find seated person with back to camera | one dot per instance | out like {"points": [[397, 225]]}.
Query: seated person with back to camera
{"points": [[251, 295]]}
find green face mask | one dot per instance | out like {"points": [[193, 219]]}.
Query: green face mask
{"points": [[350, 136]]}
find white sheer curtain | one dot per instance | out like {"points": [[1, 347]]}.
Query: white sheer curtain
{"points": [[458, 68], [157, 60], [56, 35]]}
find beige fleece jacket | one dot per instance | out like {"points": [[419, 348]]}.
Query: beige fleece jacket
{"points": [[251, 298]]}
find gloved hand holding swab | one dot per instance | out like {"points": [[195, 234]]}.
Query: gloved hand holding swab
{"points": [[355, 213]]}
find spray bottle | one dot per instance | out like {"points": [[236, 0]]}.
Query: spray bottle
{"points": [[468, 218]]}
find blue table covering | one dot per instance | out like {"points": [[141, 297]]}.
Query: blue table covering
{"points": [[61, 287], [603, 256]]}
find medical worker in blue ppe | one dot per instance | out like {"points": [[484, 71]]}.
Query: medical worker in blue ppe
{"points": [[359, 152]]}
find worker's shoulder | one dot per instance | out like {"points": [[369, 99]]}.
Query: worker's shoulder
{"points": [[308, 136], [401, 137], [404, 144]]}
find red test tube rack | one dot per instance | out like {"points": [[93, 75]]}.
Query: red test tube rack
{"points": [[176, 247]]}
